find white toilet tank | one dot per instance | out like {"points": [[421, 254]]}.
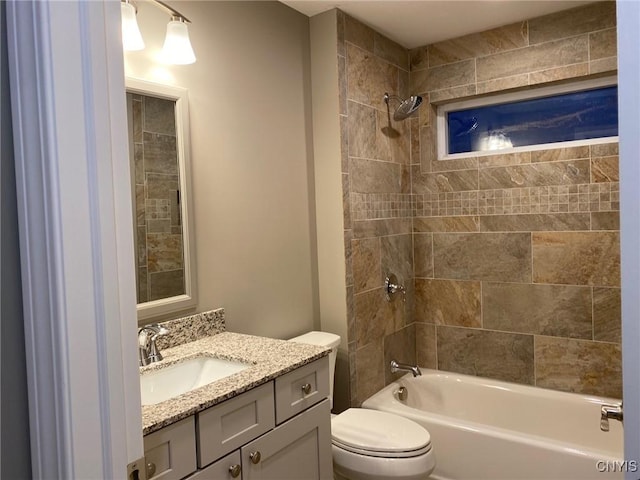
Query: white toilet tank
{"points": [[323, 339]]}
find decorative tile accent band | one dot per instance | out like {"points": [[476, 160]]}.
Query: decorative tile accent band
{"points": [[598, 197], [370, 206], [191, 328]]}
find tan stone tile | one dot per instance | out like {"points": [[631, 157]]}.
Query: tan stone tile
{"points": [[390, 51], [503, 356], [482, 256], [393, 139], [446, 224], [342, 81], [427, 112], [372, 176], [397, 258], [467, 163], [426, 352], [505, 83], [366, 264], [369, 370], [576, 258], [605, 169], [558, 154], [344, 143], [377, 228], [160, 154], [340, 21], [423, 254], [362, 129], [603, 65], [428, 147], [164, 252], [375, 317], [529, 59], [460, 92], [415, 140], [603, 44], [348, 258], [141, 218], [448, 302], [419, 58], [480, 44], [166, 284], [141, 246], [535, 222], [607, 315], [579, 366], [605, 220], [604, 149], [159, 116], [505, 159], [456, 181], [596, 16], [401, 347], [555, 310], [369, 77], [142, 286], [445, 76], [346, 202], [559, 73], [358, 33], [543, 174], [351, 315]]}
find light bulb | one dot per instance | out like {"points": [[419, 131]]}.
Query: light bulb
{"points": [[177, 46], [131, 38]]}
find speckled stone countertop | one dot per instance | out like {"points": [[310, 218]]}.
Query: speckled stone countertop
{"points": [[269, 358]]}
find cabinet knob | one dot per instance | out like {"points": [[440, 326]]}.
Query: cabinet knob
{"points": [[151, 469], [235, 470], [306, 388], [255, 457]]}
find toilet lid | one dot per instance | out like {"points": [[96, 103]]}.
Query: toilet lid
{"points": [[374, 431]]}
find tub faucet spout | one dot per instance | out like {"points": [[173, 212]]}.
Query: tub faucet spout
{"points": [[608, 411], [396, 367]]}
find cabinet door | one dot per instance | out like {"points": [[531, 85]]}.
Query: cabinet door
{"points": [[170, 453], [226, 427], [299, 449]]}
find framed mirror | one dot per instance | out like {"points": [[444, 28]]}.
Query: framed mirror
{"points": [[158, 126]]}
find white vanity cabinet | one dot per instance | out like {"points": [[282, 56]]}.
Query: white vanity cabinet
{"points": [[278, 430]]}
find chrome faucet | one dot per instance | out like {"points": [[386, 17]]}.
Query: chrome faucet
{"points": [[396, 367], [608, 411], [147, 349]]}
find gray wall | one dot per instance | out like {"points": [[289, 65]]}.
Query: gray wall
{"points": [[15, 459]]}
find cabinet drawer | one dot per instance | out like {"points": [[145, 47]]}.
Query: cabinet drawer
{"points": [[298, 390], [222, 469], [170, 453], [299, 449], [228, 426]]}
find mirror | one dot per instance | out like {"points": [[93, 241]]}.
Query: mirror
{"points": [[158, 126]]}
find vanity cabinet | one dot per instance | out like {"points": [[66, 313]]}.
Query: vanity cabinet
{"points": [[278, 430]]}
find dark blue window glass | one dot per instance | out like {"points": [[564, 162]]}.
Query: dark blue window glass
{"points": [[558, 118]]}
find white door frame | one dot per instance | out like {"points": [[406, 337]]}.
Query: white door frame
{"points": [[629, 119], [75, 225]]}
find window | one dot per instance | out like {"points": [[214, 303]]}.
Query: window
{"points": [[576, 114]]}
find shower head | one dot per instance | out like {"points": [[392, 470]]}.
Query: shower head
{"points": [[406, 107]]}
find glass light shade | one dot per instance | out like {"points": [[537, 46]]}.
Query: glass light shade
{"points": [[131, 38], [177, 46]]}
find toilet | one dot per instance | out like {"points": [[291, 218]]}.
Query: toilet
{"points": [[370, 444]]}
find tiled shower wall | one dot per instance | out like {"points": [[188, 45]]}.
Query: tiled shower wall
{"points": [[515, 257], [160, 265]]}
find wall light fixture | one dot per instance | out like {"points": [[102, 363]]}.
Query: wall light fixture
{"points": [[177, 48]]}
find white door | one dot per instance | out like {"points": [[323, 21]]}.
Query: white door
{"points": [[75, 225], [629, 116]]}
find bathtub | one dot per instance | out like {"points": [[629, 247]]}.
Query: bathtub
{"points": [[487, 429]]}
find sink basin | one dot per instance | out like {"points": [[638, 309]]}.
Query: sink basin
{"points": [[159, 385]]}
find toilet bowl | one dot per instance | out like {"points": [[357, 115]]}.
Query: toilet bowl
{"points": [[371, 444]]}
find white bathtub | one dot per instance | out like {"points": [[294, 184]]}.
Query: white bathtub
{"points": [[487, 429]]}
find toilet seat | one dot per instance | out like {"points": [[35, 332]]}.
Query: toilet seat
{"points": [[379, 434]]}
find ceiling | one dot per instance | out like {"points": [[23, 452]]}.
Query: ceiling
{"points": [[414, 23]]}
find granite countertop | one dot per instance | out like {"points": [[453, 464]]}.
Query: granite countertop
{"points": [[269, 358]]}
